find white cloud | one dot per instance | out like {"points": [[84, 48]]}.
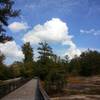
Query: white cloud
{"points": [[71, 52], [12, 51], [53, 30], [18, 26], [91, 32]]}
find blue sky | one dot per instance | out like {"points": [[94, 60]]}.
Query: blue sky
{"points": [[81, 18], [79, 14]]}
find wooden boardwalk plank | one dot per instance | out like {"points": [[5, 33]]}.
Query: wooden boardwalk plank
{"points": [[25, 92]]}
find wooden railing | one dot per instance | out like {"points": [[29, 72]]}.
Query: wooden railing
{"points": [[10, 85], [41, 93]]}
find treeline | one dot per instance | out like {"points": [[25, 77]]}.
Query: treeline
{"points": [[87, 64], [49, 67]]}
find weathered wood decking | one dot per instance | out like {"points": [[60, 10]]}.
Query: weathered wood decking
{"points": [[25, 92]]}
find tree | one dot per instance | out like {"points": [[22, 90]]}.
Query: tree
{"points": [[28, 60], [45, 60], [3, 70], [87, 64], [66, 59], [15, 69], [55, 79], [6, 12], [28, 52], [74, 66], [45, 52], [90, 63]]}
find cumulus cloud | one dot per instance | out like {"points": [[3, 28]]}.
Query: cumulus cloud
{"points": [[71, 52], [18, 26], [54, 30], [12, 51], [91, 32]]}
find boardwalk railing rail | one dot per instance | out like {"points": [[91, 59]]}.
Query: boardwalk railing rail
{"points": [[10, 85], [43, 94]]}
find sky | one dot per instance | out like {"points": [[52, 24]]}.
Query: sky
{"points": [[69, 26]]}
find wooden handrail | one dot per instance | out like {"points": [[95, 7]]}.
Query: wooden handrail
{"points": [[42, 91]]}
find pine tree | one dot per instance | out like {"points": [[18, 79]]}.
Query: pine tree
{"points": [[6, 12], [45, 52]]}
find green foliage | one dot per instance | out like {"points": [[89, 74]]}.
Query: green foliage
{"points": [[74, 66], [6, 12], [28, 52], [90, 63], [45, 52], [41, 71], [3, 68], [45, 60], [50, 68], [56, 78], [27, 70], [15, 69], [87, 64]]}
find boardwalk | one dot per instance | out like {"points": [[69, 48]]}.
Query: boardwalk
{"points": [[26, 92]]}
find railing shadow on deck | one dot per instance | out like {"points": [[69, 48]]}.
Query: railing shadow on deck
{"points": [[11, 85]]}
